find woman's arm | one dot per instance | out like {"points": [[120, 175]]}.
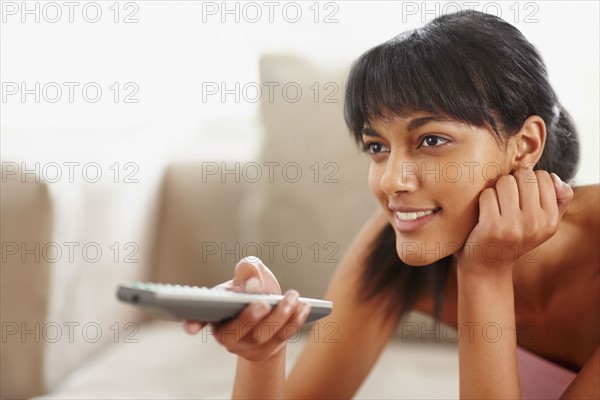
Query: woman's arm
{"points": [[586, 384], [260, 379], [345, 346], [341, 349], [520, 213], [259, 334], [487, 344]]}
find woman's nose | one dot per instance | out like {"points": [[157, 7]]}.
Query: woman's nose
{"points": [[399, 176]]}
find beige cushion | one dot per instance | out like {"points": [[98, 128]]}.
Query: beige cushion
{"points": [[319, 212], [26, 214], [198, 217]]}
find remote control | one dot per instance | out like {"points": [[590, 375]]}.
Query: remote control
{"points": [[204, 304]]}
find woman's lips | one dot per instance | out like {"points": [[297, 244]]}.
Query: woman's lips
{"points": [[412, 221]]}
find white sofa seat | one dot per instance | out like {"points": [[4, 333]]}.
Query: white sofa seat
{"points": [[167, 363]]}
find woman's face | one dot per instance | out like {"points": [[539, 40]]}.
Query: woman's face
{"points": [[427, 173]]}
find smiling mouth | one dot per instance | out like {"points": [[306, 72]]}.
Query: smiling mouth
{"points": [[411, 216]]}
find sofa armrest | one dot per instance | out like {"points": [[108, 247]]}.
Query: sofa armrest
{"points": [[26, 215], [65, 249]]}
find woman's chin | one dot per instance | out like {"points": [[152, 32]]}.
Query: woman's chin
{"points": [[417, 262], [416, 258]]}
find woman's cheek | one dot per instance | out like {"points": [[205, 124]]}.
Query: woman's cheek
{"points": [[463, 206], [466, 214], [374, 184]]}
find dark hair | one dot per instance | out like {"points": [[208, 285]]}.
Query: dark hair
{"points": [[471, 67]]}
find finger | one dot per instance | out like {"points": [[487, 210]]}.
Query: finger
{"points": [[225, 286], [279, 317], [302, 313], [488, 204], [508, 195], [528, 185], [232, 334], [193, 327], [548, 196], [294, 325], [564, 194], [273, 343], [247, 275]]}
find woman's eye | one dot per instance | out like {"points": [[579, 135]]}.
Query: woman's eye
{"points": [[432, 141], [373, 148]]}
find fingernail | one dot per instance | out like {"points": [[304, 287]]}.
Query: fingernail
{"points": [[293, 295], [290, 298], [556, 179], [194, 328], [560, 181], [252, 285], [304, 312]]}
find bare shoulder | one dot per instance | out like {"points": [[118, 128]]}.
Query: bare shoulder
{"points": [[582, 216], [585, 204], [353, 335]]}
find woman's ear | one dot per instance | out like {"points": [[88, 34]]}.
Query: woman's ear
{"points": [[529, 142]]}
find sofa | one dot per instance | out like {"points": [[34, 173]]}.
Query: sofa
{"points": [[297, 206]]}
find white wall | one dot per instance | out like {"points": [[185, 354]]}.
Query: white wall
{"points": [[177, 45]]}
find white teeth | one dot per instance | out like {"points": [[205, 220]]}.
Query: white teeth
{"points": [[409, 216]]}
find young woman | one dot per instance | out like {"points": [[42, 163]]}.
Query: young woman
{"points": [[470, 149]]}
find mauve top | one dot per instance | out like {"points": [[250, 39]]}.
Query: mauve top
{"points": [[540, 378]]}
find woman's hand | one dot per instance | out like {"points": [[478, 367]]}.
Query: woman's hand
{"points": [[259, 331], [520, 213]]}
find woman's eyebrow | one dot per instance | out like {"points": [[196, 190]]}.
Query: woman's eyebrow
{"points": [[411, 126], [419, 122], [370, 132]]}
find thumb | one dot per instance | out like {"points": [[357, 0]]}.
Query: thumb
{"points": [[247, 276], [564, 193]]}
